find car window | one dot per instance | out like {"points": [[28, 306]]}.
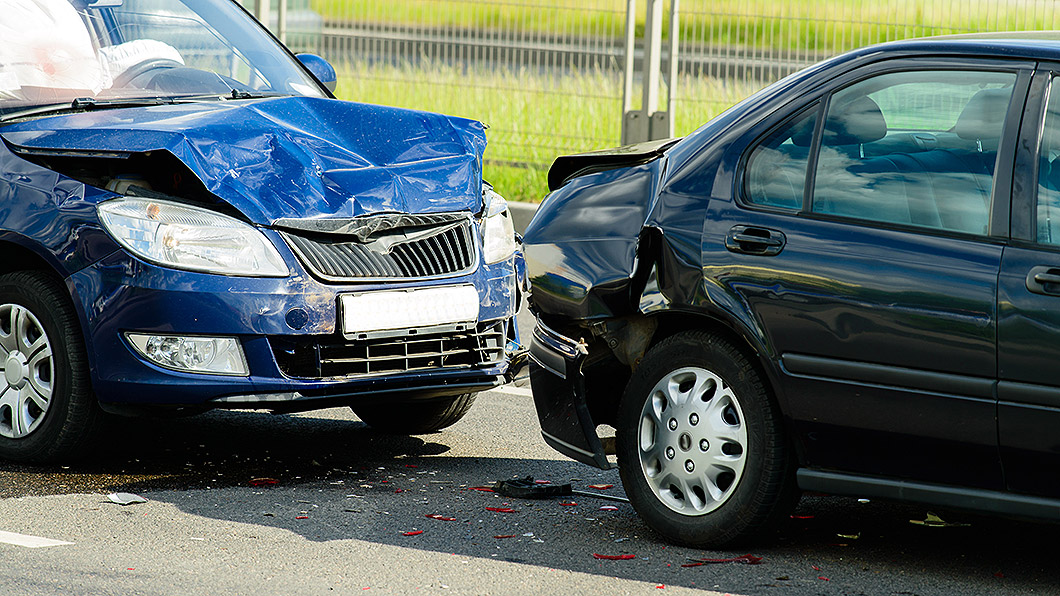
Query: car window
{"points": [[776, 167], [1049, 171], [914, 148]]}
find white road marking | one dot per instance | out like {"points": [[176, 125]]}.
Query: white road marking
{"points": [[513, 390], [29, 541]]}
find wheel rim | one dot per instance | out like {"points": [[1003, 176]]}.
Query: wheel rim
{"points": [[27, 372], [692, 441]]}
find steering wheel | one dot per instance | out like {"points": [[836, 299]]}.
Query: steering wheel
{"points": [[125, 79]]}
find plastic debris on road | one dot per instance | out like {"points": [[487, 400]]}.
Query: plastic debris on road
{"points": [[412, 533], [501, 509], [499, 536], [935, 521], [440, 517], [125, 498], [614, 557], [601, 486], [263, 481], [747, 559], [609, 508]]}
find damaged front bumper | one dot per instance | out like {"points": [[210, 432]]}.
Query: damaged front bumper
{"points": [[560, 397]]}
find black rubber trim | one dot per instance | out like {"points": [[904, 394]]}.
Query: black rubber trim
{"points": [[879, 374], [1023, 394], [984, 501]]}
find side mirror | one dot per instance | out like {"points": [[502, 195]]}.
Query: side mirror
{"points": [[321, 69]]}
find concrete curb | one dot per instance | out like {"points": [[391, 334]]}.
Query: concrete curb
{"points": [[522, 213]]}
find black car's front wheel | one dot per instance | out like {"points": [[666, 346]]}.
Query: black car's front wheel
{"points": [[47, 408], [701, 448], [416, 418]]}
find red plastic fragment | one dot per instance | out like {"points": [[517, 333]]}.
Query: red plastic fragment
{"points": [[399, 490], [263, 481], [601, 486], [815, 567], [542, 482], [411, 466], [609, 508], [823, 578], [568, 504], [614, 557], [484, 489], [505, 536], [440, 517], [801, 517], [301, 517], [660, 587], [413, 533], [501, 509]]}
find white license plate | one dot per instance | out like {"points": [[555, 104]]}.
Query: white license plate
{"points": [[391, 310]]}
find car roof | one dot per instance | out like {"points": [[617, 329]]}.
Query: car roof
{"points": [[1038, 45]]}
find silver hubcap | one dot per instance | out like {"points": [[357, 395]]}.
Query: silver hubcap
{"points": [[692, 441], [26, 389]]}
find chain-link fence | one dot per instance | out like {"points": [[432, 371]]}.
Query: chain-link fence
{"points": [[547, 75]]}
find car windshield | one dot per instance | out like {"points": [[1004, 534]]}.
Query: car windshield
{"points": [[55, 51]]}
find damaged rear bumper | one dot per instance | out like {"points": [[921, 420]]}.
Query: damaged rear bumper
{"points": [[559, 395]]}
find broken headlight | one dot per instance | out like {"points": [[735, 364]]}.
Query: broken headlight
{"points": [[185, 237], [498, 232]]}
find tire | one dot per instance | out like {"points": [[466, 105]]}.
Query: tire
{"points": [[416, 418], [701, 448], [47, 409]]}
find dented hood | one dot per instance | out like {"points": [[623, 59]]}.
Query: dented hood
{"points": [[291, 157]]}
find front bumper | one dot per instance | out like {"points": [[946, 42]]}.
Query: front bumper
{"points": [[559, 395], [121, 294]]}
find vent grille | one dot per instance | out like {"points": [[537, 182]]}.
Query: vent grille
{"points": [[321, 357], [411, 252]]}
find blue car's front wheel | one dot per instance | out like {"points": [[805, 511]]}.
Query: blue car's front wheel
{"points": [[47, 409]]}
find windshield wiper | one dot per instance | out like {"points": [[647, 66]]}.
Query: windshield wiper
{"points": [[85, 104]]}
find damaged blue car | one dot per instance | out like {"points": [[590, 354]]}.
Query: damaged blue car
{"points": [[190, 220]]}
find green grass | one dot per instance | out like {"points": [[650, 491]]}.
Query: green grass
{"points": [[819, 26], [531, 118]]}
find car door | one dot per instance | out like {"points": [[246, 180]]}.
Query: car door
{"points": [[879, 294], [1029, 303]]}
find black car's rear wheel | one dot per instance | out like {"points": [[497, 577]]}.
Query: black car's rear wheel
{"points": [[416, 418], [47, 409], [701, 448]]}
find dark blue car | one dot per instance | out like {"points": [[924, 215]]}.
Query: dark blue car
{"points": [[189, 220], [848, 283]]}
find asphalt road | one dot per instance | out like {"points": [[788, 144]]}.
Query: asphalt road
{"points": [[348, 515]]}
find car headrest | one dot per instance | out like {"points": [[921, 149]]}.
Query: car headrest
{"points": [[859, 121], [981, 118]]}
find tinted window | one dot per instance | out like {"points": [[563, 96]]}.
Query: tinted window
{"points": [[776, 168], [1049, 172], [914, 148]]}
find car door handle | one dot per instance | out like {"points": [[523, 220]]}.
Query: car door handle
{"points": [[753, 240], [1044, 280]]}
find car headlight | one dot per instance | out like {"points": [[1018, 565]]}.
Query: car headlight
{"points": [[185, 237], [498, 232]]}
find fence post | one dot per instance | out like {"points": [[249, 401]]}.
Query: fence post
{"points": [[649, 123]]}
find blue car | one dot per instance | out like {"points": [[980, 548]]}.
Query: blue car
{"points": [[849, 283], [189, 220]]}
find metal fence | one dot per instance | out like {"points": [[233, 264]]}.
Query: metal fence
{"points": [[547, 75]]}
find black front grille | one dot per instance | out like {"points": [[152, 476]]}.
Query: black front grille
{"points": [[317, 357], [414, 251]]}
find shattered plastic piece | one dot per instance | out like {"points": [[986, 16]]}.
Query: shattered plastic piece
{"points": [[301, 517], [263, 481], [614, 557], [568, 504], [484, 489], [601, 486], [505, 536], [609, 508], [125, 498], [850, 536], [935, 521], [542, 482], [815, 567], [440, 517], [412, 533], [529, 534], [864, 501], [823, 578], [801, 517], [747, 559], [501, 509]]}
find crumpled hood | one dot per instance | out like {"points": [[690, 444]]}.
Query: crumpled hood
{"points": [[292, 157]]}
